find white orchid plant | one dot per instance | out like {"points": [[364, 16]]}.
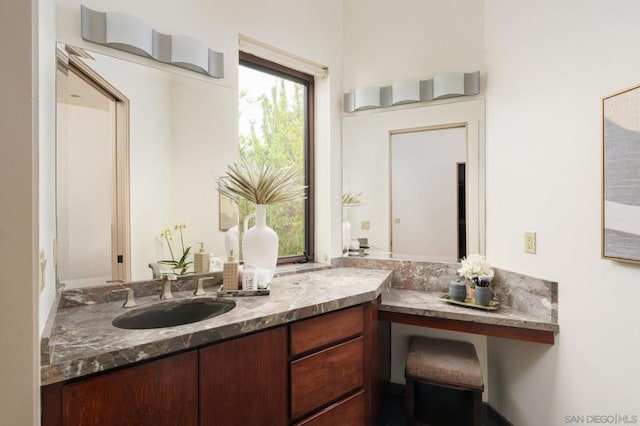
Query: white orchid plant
{"points": [[181, 265], [477, 269]]}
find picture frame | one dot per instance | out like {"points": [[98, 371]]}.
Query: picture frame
{"points": [[621, 175]]}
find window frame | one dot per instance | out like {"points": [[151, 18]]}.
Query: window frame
{"points": [[260, 64]]}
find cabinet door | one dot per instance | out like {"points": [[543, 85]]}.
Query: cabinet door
{"points": [[244, 381], [162, 392]]}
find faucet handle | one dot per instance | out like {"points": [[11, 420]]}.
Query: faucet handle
{"points": [[200, 290], [130, 301], [166, 285]]}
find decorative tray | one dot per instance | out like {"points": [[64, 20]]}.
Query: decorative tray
{"points": [[492, 306], [239, 293]]}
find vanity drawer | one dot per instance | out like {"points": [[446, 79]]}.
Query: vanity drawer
{"points": [[346, 412], [316, 332], [325, 376]]}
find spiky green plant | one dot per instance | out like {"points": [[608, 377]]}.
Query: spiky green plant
{"points": [[351, 199], [261, 183]]}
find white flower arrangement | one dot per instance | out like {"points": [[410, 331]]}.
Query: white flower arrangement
{"points": [[474, 266]]}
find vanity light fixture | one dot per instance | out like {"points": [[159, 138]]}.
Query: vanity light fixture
{"points": [[447, 85], [130, 34]]}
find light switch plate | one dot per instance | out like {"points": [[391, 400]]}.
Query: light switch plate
{"points": [[365, 224], [530, 242]]}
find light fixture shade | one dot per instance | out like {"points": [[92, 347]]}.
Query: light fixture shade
{"points": [[128, 33], [216, 64], [448, 85], [404, 92], [367, 97], [349, 102], [189, 53]]}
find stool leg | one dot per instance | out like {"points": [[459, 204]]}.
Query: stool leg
{"points": [[477, 408], [409, 400]]}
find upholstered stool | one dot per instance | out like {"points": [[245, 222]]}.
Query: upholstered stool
{"points": [[445, 363]]}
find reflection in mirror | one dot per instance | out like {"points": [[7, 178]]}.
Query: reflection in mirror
{"points": [[181, 133], [386, 155], [424, 193]]}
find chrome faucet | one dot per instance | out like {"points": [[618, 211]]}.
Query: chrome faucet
{"points": [[166, 286]]}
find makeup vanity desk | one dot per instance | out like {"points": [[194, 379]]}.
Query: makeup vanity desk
{"points": [[528, 311]]}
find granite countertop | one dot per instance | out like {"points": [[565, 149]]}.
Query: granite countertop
{"points": [[82, 339], [430, 304]]}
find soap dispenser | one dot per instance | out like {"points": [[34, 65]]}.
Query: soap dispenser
{"points": [[201, 260], [230, 273]]}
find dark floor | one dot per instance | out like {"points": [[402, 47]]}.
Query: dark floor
{"points": [[435, 406]]}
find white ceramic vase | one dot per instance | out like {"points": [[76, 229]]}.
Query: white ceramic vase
{"points": [[260, 243], [346, 232]]}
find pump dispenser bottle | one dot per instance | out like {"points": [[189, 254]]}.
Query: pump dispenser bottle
{"points": [[201, 260], [230, 273]]}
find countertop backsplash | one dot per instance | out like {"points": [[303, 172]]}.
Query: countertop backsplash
{"points": [[527, 294]]}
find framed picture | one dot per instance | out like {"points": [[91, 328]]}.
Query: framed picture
{"points": [[621, 175]]}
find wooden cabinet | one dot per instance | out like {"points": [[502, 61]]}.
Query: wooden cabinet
{"points": [[244, 381], [327, 366], [313, 372], [162, 392]]}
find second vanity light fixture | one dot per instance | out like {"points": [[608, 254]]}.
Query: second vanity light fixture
{"points": [[130, 34], [447, 85]]}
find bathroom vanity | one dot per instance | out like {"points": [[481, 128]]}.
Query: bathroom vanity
{"points": [[307, 354], [313, 352]]}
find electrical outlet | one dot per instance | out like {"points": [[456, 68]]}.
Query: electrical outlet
{"points": [[530, 242], [365, 224]]}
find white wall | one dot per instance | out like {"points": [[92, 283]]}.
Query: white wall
{"points": [[386, 41], [46, 150], [203, 134], [548, 65], [19, 214]]}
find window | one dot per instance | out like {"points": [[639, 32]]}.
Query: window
{"points": [[276, 126]]}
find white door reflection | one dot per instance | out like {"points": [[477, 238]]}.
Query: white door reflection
{"points": [[426, 219]]}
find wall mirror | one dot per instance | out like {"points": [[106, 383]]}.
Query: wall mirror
{"points": [[409, 164], [138, 148]]}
